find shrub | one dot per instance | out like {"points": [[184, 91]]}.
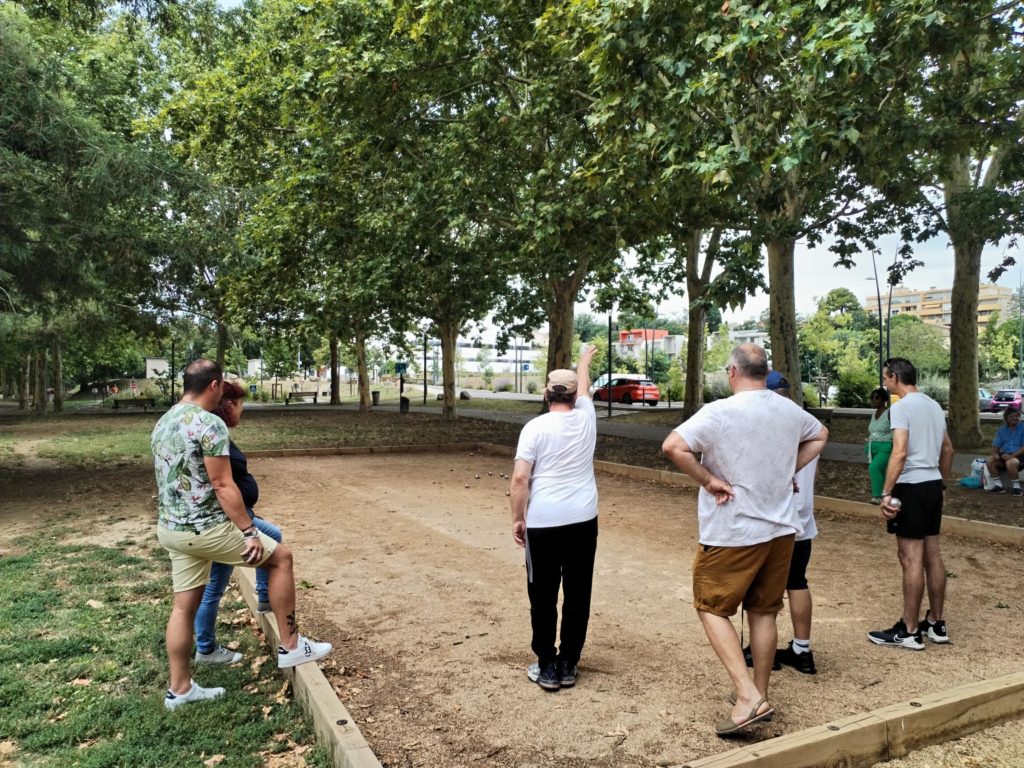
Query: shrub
{"points": [[855, 388], [676, 384], [716, 386], [502, 385], [811, 397], [936, 386], [488, 376], [531, 387]]}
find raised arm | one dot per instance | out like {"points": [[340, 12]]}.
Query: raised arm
{"points": [[583, 370]]}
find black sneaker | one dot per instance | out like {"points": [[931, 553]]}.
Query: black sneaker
{"points": [[567, 674], [1016, 491], [749, 658], [898, 636], [996, 489], [545, 676], [934, 630], [801, 662]]}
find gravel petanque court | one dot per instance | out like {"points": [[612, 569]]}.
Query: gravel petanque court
{"points": [[415, 578]]}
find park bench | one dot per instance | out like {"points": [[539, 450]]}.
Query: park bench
{"points": [[290, 395], [145, 403]]}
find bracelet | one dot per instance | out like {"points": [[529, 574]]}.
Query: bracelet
{"points": [[252, 526], [251, 535]]}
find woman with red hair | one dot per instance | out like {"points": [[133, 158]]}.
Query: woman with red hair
{"points": [[208, 651]]}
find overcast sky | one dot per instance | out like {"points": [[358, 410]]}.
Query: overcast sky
{"points": [[816, 275]]}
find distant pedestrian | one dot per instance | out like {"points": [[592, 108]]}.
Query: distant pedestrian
{"points": [[554, 516], [1007, 450], [202, 519], [879, 445], [915, 485], [752, 445]]}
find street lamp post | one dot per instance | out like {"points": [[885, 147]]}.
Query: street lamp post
{"points": [[1020, 331], [888, 316], [609, 382], [878, 294]]}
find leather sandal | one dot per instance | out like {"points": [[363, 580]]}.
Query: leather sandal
{"points": [[731, 698], [728, 726]]}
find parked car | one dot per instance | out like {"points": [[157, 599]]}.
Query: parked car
{"points": [[629, 391], [984, 399], [1005, 398]]}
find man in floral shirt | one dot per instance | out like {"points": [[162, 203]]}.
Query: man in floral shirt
{"points": [[202, 520]]}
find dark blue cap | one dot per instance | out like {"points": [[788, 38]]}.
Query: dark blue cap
{"points": [[776, 380]]}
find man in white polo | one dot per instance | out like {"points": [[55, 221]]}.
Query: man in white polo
{"points": [[554, 516]]}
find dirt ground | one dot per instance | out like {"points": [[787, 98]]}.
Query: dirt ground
{"points": [[406, 563], [415, 576]]}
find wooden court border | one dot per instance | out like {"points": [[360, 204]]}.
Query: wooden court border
{"points": [[857, 741]]}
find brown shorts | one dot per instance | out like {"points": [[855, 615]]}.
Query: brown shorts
{"points": [[724, 577]]}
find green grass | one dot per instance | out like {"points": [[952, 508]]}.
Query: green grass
{"points": [[83, 685], [100, 445], [79, 442]]}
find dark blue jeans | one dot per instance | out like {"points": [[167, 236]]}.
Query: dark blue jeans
{"points": [[560, 556], [220, 575]]}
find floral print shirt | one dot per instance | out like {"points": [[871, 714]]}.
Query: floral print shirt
{"points": [[180, 441]]}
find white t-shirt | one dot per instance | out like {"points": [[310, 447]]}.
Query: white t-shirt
{"points": [[805, 500], [925, 423], [749, 440], [560, 446]]}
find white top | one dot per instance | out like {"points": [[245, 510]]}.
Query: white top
{"points": [[805, 500], [750, 440], [560, 446], [925, 423]]}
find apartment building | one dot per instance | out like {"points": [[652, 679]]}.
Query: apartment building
{"points": [[934, 305], [634, 342]]}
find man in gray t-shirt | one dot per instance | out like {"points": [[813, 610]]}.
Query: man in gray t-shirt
{"points": [[922, 456]]}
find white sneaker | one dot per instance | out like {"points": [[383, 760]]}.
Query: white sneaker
{"points": [[195, 693], [219, 655], [307, 650]]}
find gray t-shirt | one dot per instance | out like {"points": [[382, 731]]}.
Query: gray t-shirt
{"points": [[925, 423]]}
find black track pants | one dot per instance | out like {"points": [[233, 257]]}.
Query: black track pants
{"points": [[563, 555]]}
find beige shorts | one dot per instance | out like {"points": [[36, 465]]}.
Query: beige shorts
{"points": [[192, 555]]}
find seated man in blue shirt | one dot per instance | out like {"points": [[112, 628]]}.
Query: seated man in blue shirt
{"points": [[1007, 450]]}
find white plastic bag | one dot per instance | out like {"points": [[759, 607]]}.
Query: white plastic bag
{"points": [[990, 482], [978, 470]]}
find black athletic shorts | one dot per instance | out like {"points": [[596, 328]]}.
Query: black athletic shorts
{"points": [[797, 578], [921, 513]]}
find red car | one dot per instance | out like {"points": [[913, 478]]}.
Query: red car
{"points": [[629, 391], [1005, 398]]}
